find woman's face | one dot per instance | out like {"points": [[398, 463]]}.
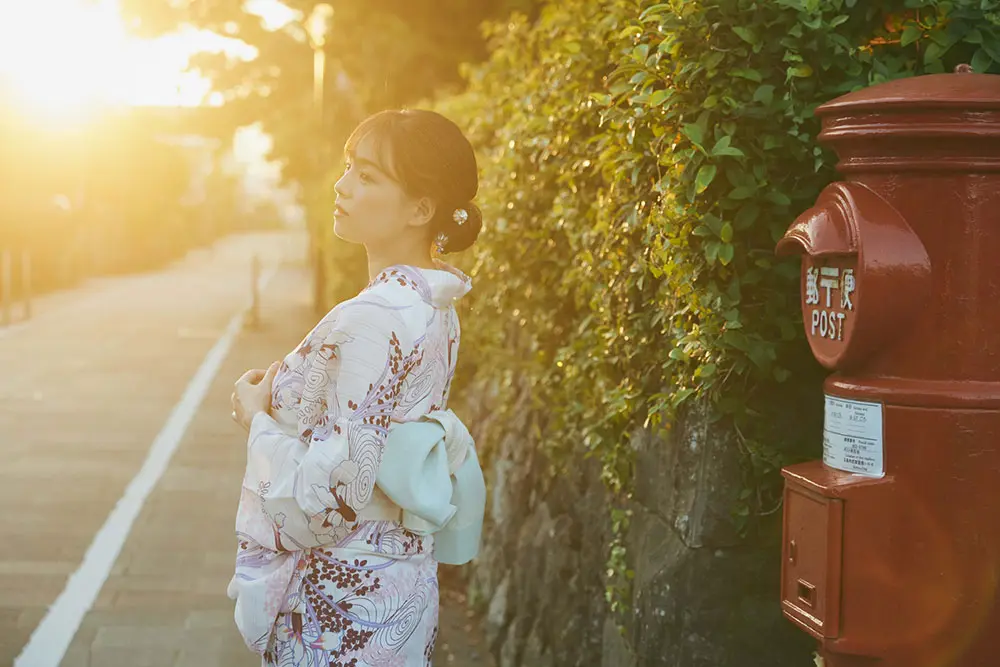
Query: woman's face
{"points": [[372, 208]]}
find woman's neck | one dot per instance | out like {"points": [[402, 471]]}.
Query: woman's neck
{"points": [[378, 262]]}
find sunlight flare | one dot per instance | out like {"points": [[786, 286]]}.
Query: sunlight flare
{"points": [[64, 59]]}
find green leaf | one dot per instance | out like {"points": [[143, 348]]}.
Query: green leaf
{"points": [[663, 6], [747, 216], [722, 147], [705, 177], [746, 34], [714, 223], [732, 151], [933, 52], [659, 97], [736, 339], [779, 198], [681, 396], [800, 71], [702, 230], [727, 233], [706, 370], [694, 133], [747, 73], [992, 48], [764, 94], [640, 52], [726, 252], [619, 87], [911, 33], [981, 62], [742, 192], [712, 251]]}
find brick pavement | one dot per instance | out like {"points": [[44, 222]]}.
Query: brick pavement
{"points": [[87, 386]]}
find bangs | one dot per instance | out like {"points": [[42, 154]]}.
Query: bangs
{"points": [[382, 128]]}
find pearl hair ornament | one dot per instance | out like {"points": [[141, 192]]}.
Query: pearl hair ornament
{"points": [[460, 217]]}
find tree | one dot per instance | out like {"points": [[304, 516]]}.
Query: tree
{"points": [[381, 54]]}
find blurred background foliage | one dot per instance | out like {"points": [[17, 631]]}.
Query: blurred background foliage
{"points": [[124, 190], [378, 55]]}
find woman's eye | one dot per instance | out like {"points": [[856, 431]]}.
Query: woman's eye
{"points": [[365, 178]]}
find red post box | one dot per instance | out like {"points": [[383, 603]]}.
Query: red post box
{"points": [[891, 554]]}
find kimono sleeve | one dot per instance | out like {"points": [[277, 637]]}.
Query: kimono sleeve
{"points": [[314, 483]]}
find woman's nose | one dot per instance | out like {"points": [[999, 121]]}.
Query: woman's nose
{"points": [[340, 187]]}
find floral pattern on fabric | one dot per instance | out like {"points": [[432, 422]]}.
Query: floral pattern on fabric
{"points": [[363, 609], [314, 584]]}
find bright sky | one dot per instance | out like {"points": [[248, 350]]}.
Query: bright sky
{"points": [[66, 57]]}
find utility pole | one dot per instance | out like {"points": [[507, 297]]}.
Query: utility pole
{"points": [[318, 27]]}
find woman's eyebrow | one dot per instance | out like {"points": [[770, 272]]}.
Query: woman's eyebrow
{"points": [[362, 162]]}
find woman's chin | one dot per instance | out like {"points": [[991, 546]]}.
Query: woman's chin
{"points": [[342, 230]]}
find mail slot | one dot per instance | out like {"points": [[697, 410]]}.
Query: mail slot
{"points": [[891, 542]]}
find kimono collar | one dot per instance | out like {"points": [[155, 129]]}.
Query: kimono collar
{"points": [[446, 284], [441, 286]]}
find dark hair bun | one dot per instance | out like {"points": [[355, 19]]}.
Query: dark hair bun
{"points": [[461, 237], [431, 157]]}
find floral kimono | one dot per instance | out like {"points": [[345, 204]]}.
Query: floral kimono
{"points": [[325, 573]]}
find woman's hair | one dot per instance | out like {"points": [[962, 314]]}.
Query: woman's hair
{"points": [[430, 157]]}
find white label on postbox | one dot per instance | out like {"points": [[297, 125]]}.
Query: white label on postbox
{"points": [[852, 436]]}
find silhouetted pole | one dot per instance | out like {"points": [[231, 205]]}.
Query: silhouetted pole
{"points": [[5, 287], [254, 318], [26, 282], [317, 28]]}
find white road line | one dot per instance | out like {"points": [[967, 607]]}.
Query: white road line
{"points": [[52, 637], [12, 327]]}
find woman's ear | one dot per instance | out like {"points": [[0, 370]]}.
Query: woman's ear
{"points": [[423, 212]]}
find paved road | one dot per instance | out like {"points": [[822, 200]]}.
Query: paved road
{"points": [[102, 376]]}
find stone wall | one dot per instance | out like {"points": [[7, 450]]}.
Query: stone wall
{"points": [[701, 597]]}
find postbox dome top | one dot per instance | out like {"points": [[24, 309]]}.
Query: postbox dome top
{"points": [[932, 91]]}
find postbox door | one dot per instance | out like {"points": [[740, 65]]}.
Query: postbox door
{"points": [[811, 560]]}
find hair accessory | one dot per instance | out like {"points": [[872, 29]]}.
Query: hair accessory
{"points": [[441, 240], [460, 216]]}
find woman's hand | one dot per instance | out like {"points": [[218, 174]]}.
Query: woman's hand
{"points": [[252, 394]]}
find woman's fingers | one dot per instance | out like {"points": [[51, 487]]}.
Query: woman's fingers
{"points": [[272, 370], [253, 388], [253, 376]]}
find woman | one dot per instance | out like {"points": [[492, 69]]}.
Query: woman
{"points": [[325, 575]]}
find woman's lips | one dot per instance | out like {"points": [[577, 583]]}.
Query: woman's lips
{"points": [[338, 211]]}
